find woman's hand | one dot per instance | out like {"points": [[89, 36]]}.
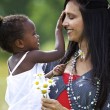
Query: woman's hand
{"points": [[59, 69], [51, 104]]}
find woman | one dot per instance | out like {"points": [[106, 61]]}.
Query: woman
{"points": [[85, 84]]}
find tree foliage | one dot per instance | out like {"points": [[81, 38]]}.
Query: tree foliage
{"points": [[44, 14]]}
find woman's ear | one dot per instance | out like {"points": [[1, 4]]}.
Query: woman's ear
{"points": [[19, 43]]}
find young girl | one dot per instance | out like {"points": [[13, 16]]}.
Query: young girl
{"points": [[18, 36]]}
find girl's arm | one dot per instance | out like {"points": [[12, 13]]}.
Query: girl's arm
{"points": [[38, 56]]}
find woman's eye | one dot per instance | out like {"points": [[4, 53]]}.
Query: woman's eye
{"points": [[71, 17]]}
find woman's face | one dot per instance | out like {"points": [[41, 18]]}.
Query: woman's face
{"points": [[73, 21]]}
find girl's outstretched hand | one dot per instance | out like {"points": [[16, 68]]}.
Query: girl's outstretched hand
{"points": [[51, 104]]}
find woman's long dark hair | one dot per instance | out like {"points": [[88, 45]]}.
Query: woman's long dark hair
{"points": [[96, 17]]}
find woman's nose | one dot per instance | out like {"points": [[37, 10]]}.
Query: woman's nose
{"points": [[65, 23]]}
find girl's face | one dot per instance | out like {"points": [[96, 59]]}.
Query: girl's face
{"points": [[73, 21], [30, 39]]}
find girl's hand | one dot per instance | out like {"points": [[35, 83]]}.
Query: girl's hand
{"points": [[51, 104], [59, 69], [59, 22]]}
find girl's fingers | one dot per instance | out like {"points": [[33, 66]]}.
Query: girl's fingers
{"points": [[59, 23], [62, 14]]}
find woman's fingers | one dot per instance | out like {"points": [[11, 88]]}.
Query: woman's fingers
{"points": [[59, 69], [49, 101], [43, 108], [51, 104]]}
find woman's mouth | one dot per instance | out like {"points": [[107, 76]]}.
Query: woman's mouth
{"points": [[69, 31]]}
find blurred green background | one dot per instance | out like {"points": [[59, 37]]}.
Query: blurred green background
{"points": [[44, 13]]}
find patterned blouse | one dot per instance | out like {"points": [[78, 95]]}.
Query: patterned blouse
{"points": [[82, 96]]}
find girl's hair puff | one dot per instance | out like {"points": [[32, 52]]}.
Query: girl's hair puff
{"points": [[11, 29]]}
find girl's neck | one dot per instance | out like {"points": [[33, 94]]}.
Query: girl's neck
{"points": [[18, 52]]}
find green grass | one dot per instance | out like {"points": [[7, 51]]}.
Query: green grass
{"points": [[3, 75]]}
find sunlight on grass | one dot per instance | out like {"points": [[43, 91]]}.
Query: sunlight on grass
{"points": [[3, 75]]}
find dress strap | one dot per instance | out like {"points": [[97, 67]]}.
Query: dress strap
{"points": [[22, 58], [8, 65]]}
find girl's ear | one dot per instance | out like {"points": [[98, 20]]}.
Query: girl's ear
{"points": [[19, 43]]}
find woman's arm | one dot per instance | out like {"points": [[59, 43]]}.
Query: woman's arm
{"points": [[57, 70]]}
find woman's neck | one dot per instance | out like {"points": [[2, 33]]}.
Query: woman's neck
{"points": [[83, 47]]}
